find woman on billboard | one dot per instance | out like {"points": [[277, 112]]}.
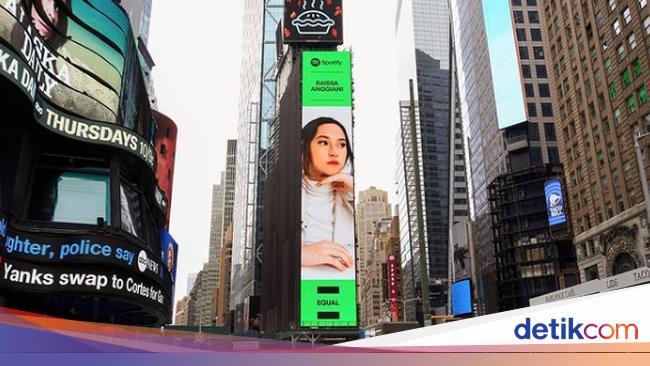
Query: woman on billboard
{"points": [[327, 196]]}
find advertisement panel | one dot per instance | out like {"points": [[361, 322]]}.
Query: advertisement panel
{"points": [[313, 21], [392, 287], [75, 73], [461, 263], [328, 283], [169, 253], [554, 202], [461, 298], [103, 266]]}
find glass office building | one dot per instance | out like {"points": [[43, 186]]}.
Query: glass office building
{"points": [[257, 108], [426, 56]]}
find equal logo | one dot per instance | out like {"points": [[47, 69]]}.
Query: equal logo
{"points": [[571, 329]]}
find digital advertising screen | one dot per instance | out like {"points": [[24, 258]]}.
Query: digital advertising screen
{"points": [[313, 21], [328, 285], [461, 298], [80, 76], [555, 202]]}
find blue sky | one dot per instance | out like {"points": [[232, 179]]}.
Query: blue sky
{"points": [[503, 60]]}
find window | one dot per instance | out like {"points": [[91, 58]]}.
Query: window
{"points": [[536, 34], [544, 91], [547, 110], [643, 3], [553, 155], [631, 40], [621, 52], [525, 71], [70, 190], [627, 15], [519, 16], [516, 2], [617, 116], [631, 103], [613, 93], [608, 66], [530, 92], [541, 71], [538, 53], [616, 26], [646, 25], [549, 131], [626, 76], [531, 2], [612, 4], [521, 34], [532, 110], [523, 53], [643, 95], [636, 66], [533, 17], [591, 273]]}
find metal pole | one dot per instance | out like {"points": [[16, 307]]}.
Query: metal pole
{"points": [[424, 269], [642, 175]]}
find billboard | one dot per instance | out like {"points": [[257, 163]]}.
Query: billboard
{"points": [[313, 21], [77, 62], [554, 202], [460, 250], [328, 274], [461, 298], [104, 266], [169, 253]]}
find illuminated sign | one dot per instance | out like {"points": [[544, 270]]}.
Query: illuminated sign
{"points": [[461, 298], [102, 265], [392, 287], [81, 82], [328, 274], [554, 202], [319, 21]]}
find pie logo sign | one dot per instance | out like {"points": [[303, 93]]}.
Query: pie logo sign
{"points": [[307, 21]]}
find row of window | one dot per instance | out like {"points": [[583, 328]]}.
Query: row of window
{"points": [[533, 16]]}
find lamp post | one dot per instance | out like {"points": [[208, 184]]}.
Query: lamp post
{"points": [[642, 175]]}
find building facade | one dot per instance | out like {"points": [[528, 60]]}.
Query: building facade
{"points": [[256, 111], [427, 65], [182, 311], [598, 62], [532, 257], [485, 140], [372, 209]]}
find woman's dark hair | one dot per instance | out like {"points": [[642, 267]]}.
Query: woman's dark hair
{"points": [[309, 133]]}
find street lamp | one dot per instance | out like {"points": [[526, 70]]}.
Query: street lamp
{"points": [[642, 175]]}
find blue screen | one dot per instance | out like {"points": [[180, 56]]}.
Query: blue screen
{"points": [[461, 298], [554, 202]]}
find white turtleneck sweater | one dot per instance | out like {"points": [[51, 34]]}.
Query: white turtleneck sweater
{"points": [[326, 218]]}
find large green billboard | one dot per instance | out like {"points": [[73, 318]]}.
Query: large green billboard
{"points": [[328, 273]]}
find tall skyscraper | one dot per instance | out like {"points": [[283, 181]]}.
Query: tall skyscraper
{"points": [[372, 209], [485, 140], [205, 289], [426, 58], [256, 110], [598, 69], [216, 219]]}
